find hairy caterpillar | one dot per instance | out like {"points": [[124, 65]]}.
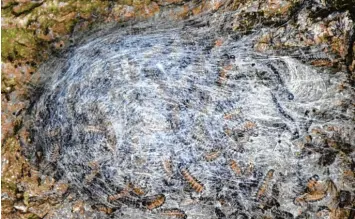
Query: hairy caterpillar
{"points": [[235, 167], [154, 201], [263, 187], [173, 212], [194, 183]]}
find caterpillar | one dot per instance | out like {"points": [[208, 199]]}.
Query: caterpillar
{"points": [[317, 191], [212, 156], [263, 187], [153, 202], [173, 212], [168, 167], [103, 209], [194, 183], [121, 194], [223, 75], [94, 171], [130, 201], [312, 183], [135, 189], [235, 167], [310, 197]]}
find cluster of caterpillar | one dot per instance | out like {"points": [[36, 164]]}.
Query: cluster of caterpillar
{"points": [[150, 203], [316, 191], [131, 196], [130, 189]]}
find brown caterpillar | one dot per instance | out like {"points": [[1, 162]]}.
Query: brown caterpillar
{"points": [[154, 201], [94, 171], [168, 167], [126, 192], [212, 156], [310, 197], [312, 183], [92, 128], [131, 201], [249, 125], [223, 74], [135, 189], [121, 194], [103, 209], [173, 212], [194, 183], [232, 114], [263, 187], [235, 167]]}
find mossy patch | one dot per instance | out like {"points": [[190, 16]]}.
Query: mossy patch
{"points": [[17, 44], [5, 185]]}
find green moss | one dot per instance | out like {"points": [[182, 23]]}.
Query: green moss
{"points": [[91, 6], [17, 43], [125, 2], [7, 12], [8, 185], [52, 8], [33, 216], [69, 26], [46, 22], [9, 82], [8, 4], [26, 198]]}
